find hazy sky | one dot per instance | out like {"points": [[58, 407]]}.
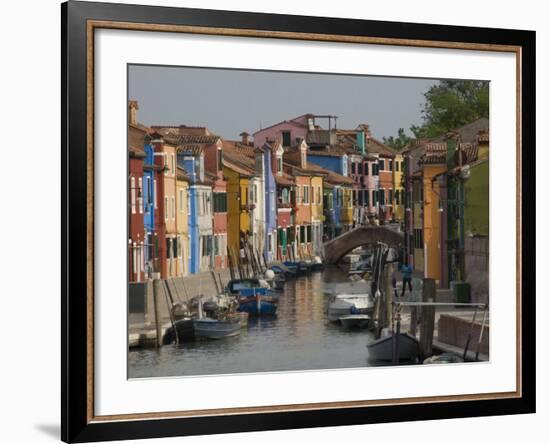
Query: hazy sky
{"points": [[231, 101]]}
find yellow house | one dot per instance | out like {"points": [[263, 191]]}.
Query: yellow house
{"points": [[237, 170], [427, 213], [398, 190], [346, 208], [317, 213], [182, 223]]}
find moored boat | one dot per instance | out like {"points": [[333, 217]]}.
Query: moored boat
{"points": [[383, 349], [257, 302], [354, 321], [349, 304], [217, 328]]}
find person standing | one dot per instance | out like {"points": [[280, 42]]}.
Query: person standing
{"points": [[406, 271]]}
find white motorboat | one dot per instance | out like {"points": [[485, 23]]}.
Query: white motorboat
{"points": [[348, 304], [355, 321]]}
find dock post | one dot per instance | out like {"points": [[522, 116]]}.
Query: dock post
{"points": [[388, 290], [428, 318], [157, 288]]}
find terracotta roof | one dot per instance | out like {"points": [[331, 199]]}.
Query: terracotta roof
{"points": [[195, 150], [483, 136], [377, 147], [471, 150], [434, 153], [285, 179], [182, 129], [291, 121], [338, 179], [236, 156]]}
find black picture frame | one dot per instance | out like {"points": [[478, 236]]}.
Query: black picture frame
{"points": [[76, 424]]}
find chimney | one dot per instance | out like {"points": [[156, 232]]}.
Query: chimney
{"points": [[273, 146], [132, 112], [244, 137]]}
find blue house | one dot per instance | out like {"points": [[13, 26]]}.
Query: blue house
{"points": [[335, 161], [270, 149], [149, 199], [190, 164]]}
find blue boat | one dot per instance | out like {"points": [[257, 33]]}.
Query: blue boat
{"points": [[257, 302], [248, 286]]}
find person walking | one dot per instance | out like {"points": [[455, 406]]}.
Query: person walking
{"points": [[406, 271]]}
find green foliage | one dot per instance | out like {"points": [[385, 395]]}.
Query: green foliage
{"points": [[449, 104], [399, 142]]}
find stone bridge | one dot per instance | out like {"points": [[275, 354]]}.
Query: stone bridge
{"points": [[338, 247]]}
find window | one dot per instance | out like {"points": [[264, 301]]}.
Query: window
{"points": [[308, 233], [173, 207], [255, 199], [173, 164], [216, 244], [200, 201], [284, 195], [374, 169], [374, 197], [220, 202], [391, 164], [396, 165], [381, 197], [319, 195], [280, 164], [286, 138], [381, 165], [133, 194], [367, 200], [140, 195], [220, 159], [390, 198], [269, 240], [360, 168], [302, 234], [366, 168], [352, 167], [181, 200], [165, 208], [188, 203], [418, 238], [396, 195], [306, 194]]}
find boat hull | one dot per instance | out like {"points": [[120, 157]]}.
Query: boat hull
{"points": [[258, 308], [215, 329], [354, 321], [382, 349]]}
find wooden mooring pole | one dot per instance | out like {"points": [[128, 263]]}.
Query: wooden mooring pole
{"points": [[157, 288], [428, 318]]}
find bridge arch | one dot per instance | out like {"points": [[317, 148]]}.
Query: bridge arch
{"points": [[338, 247]]}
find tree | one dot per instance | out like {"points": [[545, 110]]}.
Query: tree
{"points": [[399, 142], [449, 104]]}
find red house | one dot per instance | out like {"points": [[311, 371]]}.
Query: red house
{"points": [[136, 230]]}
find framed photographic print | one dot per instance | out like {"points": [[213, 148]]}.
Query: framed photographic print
{"points": [[275, 221]]}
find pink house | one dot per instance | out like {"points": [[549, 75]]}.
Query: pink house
{"points": [[287, 131]]}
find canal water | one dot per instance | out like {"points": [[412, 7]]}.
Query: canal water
{"points": [[299, 338]]}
